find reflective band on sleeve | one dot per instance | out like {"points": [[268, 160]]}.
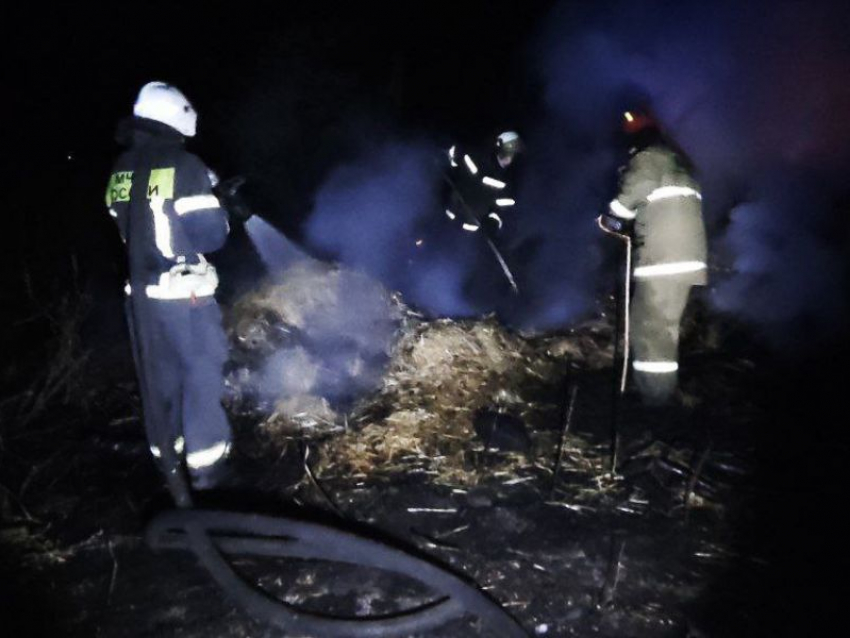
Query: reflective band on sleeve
{"points": [[113, 214], [179, 444], [212, 177], [493, 183], [127, 289], [497, 218], [656, 367], [450, 214], [618, 210], [452, 156], [155, 451], [671, 268], [470, 164], [666, 192], [195, 202], [505, 201], [208, 456], [471, 227], [162, 227]]}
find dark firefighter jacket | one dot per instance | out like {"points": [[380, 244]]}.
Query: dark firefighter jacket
{"points": [[161, 197], [663, 199], [480, 193]]}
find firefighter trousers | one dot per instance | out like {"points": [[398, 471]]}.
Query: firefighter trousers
{"points": [[179, 348], [656, 313]]}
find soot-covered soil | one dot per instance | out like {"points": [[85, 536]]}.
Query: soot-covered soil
{"points": [[718, 523]]}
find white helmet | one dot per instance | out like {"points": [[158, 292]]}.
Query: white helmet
{"points": [[164, 103], [508, 144]]}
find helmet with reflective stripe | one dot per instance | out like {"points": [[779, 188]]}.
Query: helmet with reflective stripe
{"points": [[164, 103]]}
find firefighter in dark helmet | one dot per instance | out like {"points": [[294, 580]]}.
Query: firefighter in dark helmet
{"points": [[480, 194], [482, 190], [162, 199], [659, 206]]}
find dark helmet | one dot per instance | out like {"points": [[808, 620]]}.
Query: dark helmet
{"points": [[639, 129], [637, 121]]}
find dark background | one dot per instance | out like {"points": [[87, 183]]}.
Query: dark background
{"points": [[326, 80]]}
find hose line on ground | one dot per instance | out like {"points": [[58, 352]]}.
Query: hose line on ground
{"points": [[212, 534]]}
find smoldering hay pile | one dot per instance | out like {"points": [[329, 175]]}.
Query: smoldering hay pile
{"points": [[307, 343], [326, 354]]}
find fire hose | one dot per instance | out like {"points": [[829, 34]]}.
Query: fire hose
{"points": [[211, 534]]}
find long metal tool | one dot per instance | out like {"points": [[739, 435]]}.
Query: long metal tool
{"points": [[504, 266], [622, 303], [496, 252], [627, 293]]}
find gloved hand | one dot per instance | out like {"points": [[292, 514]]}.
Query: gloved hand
{"points": [[613, 225], [228, 194]]}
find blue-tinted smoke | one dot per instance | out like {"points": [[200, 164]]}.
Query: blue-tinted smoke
{"points": [[756, 94], [790, 260], [383, 213], [376, 214], [753, 92]]}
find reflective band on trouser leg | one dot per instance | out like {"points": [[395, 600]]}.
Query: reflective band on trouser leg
{"points": [[505, 201], [200, 459], [492, 182], [666, 192], [450, 214], [471, 227], [656, 312], [618, 210], [670, 268], [179, 444], [470, 164], [194, 203], [656, 367]]}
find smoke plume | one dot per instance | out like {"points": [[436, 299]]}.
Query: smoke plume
{"points": [[755, 95]]}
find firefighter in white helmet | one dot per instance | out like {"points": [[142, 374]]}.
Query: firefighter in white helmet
{"points": [[162, 199], [660, 206]]}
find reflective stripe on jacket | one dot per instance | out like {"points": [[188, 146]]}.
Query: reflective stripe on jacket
{"points": [[666, 204], [161, 198]]}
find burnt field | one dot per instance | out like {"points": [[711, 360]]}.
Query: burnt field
{"points": [[378, 381], [721, 520]]}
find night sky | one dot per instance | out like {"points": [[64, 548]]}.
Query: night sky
{"points": [[284, 94]]}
